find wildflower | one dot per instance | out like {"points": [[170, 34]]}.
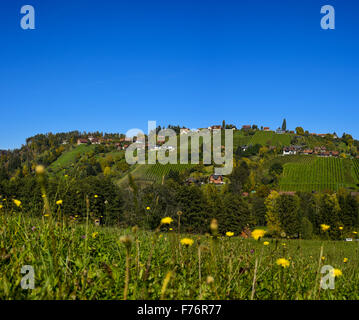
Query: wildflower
{"points": [[336, 272], [186, 241], [171, 229], [40, 169], [284, 244], [148, 208], [283, 263], [340, 228], [324, 227], [214, 225], [126, 240], [17, 202], [95, 196], [252, 251], [166, 220], [355, 232], [46, 215], [345, 260], [43, 196], [210, 279], [258, 233], [323, 258], [1, 206], [66, 176], [59, 202], [94, 235], [229, 234], [33, 228], [266, 243]]}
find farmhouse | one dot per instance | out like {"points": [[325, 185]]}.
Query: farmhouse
{"points": [[82, 141], [214, 127], [266, 129], [246, 127], [185, 131], [307, 151], [216, 179], [289, 150]]}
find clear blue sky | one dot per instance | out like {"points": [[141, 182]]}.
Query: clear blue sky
{"points": [[113, 65]]}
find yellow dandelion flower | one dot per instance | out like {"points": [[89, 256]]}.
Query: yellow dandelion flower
{"points": [[323, 258], [171, 229], [46, 215], [345, 260], [258, 233], [186, 241], [283, 263], [1, 206], [336, 273], [148, 208], [166, 220], [266, 243], [59, 202], [95, 196], [94, 235], [17, 202], [284, 244], [355, 232], [229, 234], [324, 227], [40, 169], [341, 228]]}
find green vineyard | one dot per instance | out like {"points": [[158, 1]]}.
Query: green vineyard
{"points": [[318, 175], [356, 167], [156, 171]]}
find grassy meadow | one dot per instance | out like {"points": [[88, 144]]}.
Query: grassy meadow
{"points": [[75, 259]]}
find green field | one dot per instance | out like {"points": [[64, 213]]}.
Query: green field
{"points": [[270, 138], [239, 139], [317, 174], [76, 260]]}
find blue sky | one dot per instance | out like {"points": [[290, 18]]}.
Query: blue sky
{"points": [[114, 65]]}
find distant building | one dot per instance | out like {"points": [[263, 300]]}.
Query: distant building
{"points": [[266, 129], [289, 151], [216, 179], [185, 131], [246, 127], [214, 127], [82, 141]]}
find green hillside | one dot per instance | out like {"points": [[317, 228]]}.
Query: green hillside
{"points": [[69, 157], [317, 174], [270, 138]]}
